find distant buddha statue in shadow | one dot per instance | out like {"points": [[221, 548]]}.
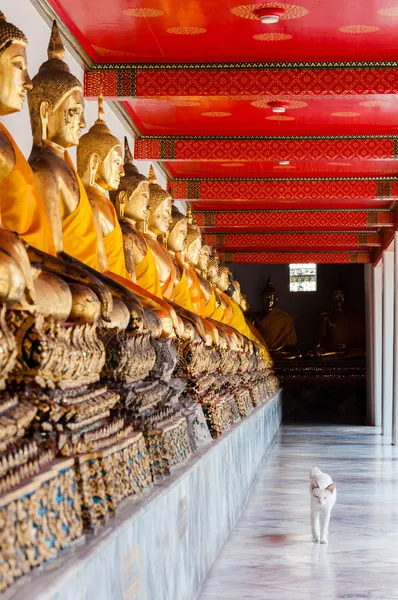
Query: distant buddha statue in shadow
{"points": [[276, 326], [342, 330]]}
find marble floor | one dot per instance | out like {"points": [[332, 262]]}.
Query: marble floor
{"points": [[270, 554]]}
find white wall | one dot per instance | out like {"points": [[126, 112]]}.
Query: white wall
{"points": [[23, 14]]}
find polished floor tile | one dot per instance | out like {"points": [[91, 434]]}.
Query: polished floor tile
{"points": [[270, 554]]}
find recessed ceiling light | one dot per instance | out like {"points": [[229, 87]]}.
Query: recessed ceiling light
{"points": [[278, 107], [284, 162], [269, 14]]}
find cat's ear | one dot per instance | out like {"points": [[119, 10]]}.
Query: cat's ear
{"points": [[331, 487], [314, 484]]}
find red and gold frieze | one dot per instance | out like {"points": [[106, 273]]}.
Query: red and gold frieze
{"points": [[262, 258], [239, 79], [286, 189], [295, 219], [293, 240], [261, 149]]}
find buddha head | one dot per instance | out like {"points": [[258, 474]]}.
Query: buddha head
{"points": [[177, 238], [244, 303], [269, 296], [14, 78], [339, 295], [56, 101], [212, 267], [131, 199], [203, 260], [194, 240], [99, 155], [159, 206], [222, 280], [236, 294]]}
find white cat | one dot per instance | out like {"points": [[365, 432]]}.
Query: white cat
{"points": [[323, 498]]}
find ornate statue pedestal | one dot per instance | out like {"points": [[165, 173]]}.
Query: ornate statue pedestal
{"points": [[190, 514], [167, 440], [38, 518], [198, 431], [108, 476]]}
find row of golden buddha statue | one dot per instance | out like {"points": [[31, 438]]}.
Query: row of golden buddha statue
{"points": [[341, 330], [120, 351]]}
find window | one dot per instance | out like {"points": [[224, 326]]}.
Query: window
{"points": [[302, 278]]}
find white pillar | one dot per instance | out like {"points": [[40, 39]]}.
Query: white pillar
{"points": [[388, 340], [395, 365], [370, 401], [377, 374]]}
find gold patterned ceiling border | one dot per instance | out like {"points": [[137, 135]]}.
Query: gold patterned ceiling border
{"points": [[266, 148], [294, 231], [252, 79], [392, 136], [293, 210], [392, 64], [285, 179], [288, 256]]}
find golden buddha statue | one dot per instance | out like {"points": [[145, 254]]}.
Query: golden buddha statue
{"points": [[100, 167], [41, 353], [56, 108], [22, 208], [197, 258], [201, 268], [342, 330], [172, 275], [176, 245], [159, 218], [276, 326], [244, 303], [131, 201]]}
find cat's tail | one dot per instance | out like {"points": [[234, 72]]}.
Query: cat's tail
{"points": [[315, 472]]}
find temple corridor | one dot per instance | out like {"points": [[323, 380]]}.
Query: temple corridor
{"points": [[270, 554]]}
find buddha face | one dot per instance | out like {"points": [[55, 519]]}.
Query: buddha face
{"points": [[244, 304], [65, 123], [212, 272], [338, 299], [223, 281], [203, 259], [236, 296], [137, 202], [110, 170], [269, 300], [193, 252], [178, 236], [159, 219], [14, 79]]}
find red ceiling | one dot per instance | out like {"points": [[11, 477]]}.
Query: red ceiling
{"points": [[208, 32], [145, 30], [305, 168], [336, 115]]}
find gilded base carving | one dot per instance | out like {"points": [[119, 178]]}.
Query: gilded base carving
{"points": [[129, 357], [217, 415], [37, 520], [235, 415], [52, 354], [107, 477], [8, 348], [198, 431], [244, 402], [167, 441]]}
